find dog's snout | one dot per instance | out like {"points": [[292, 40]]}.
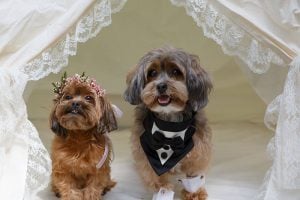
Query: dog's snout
{"points": [[75, 105], [162, 87]]}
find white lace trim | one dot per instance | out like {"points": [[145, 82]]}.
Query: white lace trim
{"points": [[287, 136], [272, 112], [232, 38], [283, 116], [268, 190], [38, 166], [53, 60]]}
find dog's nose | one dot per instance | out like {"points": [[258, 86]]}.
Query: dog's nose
{"points": [[162, 87], [75, 105]]}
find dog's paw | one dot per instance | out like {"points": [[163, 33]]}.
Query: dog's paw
{"points": [[108, 187], [201, 194], [57, 194]]}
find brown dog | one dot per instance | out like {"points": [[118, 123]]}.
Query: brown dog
{"points": [[170, 133], [81, 151]]}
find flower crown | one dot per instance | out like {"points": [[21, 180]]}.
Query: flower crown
{"points": [[59, 86]]}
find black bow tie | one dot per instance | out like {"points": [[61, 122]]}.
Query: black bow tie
{"points": [[158, 140]]}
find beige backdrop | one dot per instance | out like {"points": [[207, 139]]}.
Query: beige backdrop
{"points": [[235, 111], [139, 27]]}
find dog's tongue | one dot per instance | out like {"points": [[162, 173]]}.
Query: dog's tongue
{"points": [[163, 99]]}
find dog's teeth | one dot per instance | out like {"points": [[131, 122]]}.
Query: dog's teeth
{"points": [[164, 99]]}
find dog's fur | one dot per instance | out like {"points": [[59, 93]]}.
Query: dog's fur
{"points": [[79, 143], [188, 86]]}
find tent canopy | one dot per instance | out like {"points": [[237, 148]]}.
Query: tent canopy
{"points": [[39, 36]]}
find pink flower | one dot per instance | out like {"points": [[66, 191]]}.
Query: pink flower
{"points": [[81, 79]]}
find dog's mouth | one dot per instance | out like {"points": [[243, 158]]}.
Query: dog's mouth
{"points": [[73, 111], [164, 100]]}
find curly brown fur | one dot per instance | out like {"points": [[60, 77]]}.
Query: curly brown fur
{"points": [[77, 120], [170, 83], [201, 194]]}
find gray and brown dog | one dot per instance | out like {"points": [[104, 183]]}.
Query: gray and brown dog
{"points": [[170, 134]]}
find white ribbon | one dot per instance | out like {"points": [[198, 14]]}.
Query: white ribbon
{"points": [[193, 184], [163, 194], [117, 111]]}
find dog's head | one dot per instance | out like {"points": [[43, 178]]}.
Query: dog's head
{"points": [[168, 80], [80, 105]]}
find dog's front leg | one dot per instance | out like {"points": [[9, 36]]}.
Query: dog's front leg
{"points": [[194, 188], [194, 183], [93, 190], [65, 188], [160, 185]]}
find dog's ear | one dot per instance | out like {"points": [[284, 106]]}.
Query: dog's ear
{"points": [[135, 82], [198, 82], [107, 122], [54, 124]]}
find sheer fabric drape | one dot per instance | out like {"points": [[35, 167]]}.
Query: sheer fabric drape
{"points": [[37, 37], [264, 46]]}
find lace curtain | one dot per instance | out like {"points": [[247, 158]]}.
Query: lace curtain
{"points": [[25, 164], [282, 181], [49, 53]]}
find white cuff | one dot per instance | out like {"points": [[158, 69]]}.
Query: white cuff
{"points": [[193, 184], [163, 194]]}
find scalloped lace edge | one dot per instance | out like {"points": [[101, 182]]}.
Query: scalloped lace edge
{"points": [[234, 40]]}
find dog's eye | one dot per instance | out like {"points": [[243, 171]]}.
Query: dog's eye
{"points": [[68, 97], [152, 73], [176, 72], [89, 98]]}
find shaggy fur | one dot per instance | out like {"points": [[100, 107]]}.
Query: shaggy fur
{"points": [[79, 143], [170, 83]]}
